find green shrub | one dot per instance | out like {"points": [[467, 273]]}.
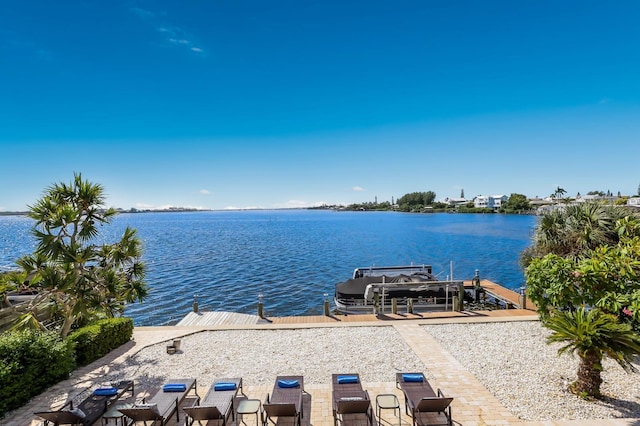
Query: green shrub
{"points": [[98, 339], [30, 362]]}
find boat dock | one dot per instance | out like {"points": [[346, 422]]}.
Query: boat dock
{"points": [[511, 299]]}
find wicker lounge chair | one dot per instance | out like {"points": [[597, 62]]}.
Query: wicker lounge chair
{"points": [[90, 409], [420, 398], [351, 404], [285, 400], [163, 404], [217, 404]]}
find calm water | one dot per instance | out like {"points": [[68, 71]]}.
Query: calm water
{"points": [[293, 257]]}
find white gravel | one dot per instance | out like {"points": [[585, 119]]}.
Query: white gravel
{"points": [[258, 356], [528, 377]]}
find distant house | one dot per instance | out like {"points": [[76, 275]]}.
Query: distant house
{"points": [[455, 201], [483, 202], [499, 200], [489, 201], [634, 202]]}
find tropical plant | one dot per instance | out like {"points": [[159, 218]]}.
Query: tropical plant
{"points": [[575, 229], [77, 278], [592, 335], [607, 277]]}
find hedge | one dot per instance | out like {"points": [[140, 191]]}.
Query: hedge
{"points": [[30, 362], [99, 338]]}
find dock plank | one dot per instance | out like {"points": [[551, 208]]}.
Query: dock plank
{"points": [[217, 318]]}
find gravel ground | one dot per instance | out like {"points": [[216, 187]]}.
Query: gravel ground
{"points": [[528, 377], [258, 356]]}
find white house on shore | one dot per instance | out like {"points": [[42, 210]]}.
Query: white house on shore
{"points": [[455, 201], [489, 201], [634, 202]]}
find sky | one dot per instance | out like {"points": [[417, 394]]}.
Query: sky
{"points": [[220, 104]]}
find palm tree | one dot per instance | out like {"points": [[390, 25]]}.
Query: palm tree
{"points": [[558, 193], [79, 279], [593, 335]]}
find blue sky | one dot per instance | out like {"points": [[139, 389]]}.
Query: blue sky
{"points": [[272, 104]]}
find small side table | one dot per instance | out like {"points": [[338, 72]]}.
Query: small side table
{"points": [[248, 406], [114, 414], [387, 401]]}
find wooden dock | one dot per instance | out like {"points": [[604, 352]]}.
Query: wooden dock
{"points": [[510, 298], [218, 318]]}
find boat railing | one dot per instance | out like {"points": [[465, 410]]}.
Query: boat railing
{"points": [[374, 271], [388, 301]]}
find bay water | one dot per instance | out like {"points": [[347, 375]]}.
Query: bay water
{"points": [[225, 259]]}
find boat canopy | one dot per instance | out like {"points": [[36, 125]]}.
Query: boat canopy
{"points": [[356, 287]]}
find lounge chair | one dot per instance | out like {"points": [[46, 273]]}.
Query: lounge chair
{"points": [[90, 409], [217, 404], [420, 398], [351, 404], [285, 400], [163, 404]]}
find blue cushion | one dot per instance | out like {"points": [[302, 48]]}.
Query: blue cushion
{"points": [[174, 387], [288, 383], [224, 386], [412, 377], [105, 391], [347, 379]]}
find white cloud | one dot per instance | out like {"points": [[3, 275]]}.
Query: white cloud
{"points": [[142, 13], [205, 192], [299, 204], [172, 35], [143, 206], [358, 188], [296, 204]]}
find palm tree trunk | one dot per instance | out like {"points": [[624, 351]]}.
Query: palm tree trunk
{"points": [[589, 379]]}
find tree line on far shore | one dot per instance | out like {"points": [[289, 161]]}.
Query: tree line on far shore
{"points": [[424, 202]]}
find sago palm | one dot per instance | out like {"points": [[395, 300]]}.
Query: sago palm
{"points": [[592, 335]]}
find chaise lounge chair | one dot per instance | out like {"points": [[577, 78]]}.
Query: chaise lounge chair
{"points": [[351, 403], [285, 400], [217, 404], [420, 398], [161, 406], [90, 409]]}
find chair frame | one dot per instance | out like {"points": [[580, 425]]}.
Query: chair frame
{"points": [[170, 404], [94, 406], [350, 400], [419, 398], [284, 402], [216, 405]]}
